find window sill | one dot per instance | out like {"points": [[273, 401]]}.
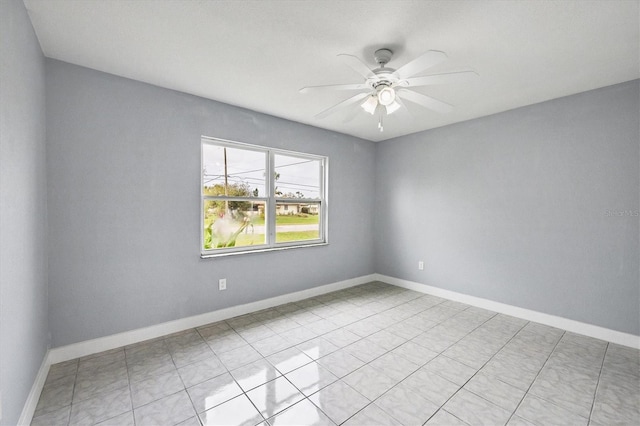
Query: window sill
{"points": [[263, 250]]}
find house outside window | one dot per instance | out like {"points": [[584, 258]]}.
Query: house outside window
{"points": [[256, 198]]}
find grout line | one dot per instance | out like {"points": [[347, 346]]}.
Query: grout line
{"points": [[595, 392], [478, 370], [537, 374]]}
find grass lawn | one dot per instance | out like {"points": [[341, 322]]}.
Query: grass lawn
{"points": [[282, 237], [292, 220]]}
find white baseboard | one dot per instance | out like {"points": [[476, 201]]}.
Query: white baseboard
{"points": [[34, 394], [76, 350], [590, 330], [88, 347]]}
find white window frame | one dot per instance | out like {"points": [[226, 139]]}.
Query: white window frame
{"points": [[271, 200]]}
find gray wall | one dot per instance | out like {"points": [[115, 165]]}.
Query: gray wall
{"points": [[516, 207], [23, 209], [123, 166]]}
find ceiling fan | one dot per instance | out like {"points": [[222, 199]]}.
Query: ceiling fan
{"points": [[384, 88]]}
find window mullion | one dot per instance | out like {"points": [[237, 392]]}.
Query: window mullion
{"points": [[270, 220]]}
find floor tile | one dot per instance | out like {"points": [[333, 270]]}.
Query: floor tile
{"points": [[200, 371], [191, 421], [322, 327], [340, 363], [237, 411], [169, 410], [155, 387], [56, 394], [274, 396], [220, 345], [318, 347], [190, 354], [289, 359], [213, 392], [311, 378], [617, 401], [282, 325], [404, 330], [89, 386], [238, 357], [475, 410], [516, 369], [492, 389], [519, 421], [254, 333], [369, 382], [339, 401], [436, 339], [124, 419], [105, 361], [386, 340], [302, 413], [362, 328], [372, 415], [62, 369], [365, 351], [444, 418], [394, 366], [406, 406], [55, 417], [101, 408], [255, 374], [299, 335], [144, 368], [271, 345], [568, 388], [415, 353], [341, 337], [183, 339], [215, 329], [431, 386], [540, 411]]}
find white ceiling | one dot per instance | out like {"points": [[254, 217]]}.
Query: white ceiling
{"points": [[258, 54]]}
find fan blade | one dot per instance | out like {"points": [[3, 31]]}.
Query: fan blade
{"points": [[357, 86], [352, 112], [346, 102], [450, 77], [429, 59], [357, 65], [425, 101]]}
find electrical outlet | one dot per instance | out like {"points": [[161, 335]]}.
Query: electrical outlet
{"points": [[222, 284], [421, 265]]}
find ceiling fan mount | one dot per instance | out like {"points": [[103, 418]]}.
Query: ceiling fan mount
{"points": [[383, 56], [384, 89]]}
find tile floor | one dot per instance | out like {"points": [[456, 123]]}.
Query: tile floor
{"points": [[369, 355]]}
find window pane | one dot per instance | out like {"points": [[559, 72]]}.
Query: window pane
{"points": [[245, 172], [297, 177], [297, 221], [233, 223]]}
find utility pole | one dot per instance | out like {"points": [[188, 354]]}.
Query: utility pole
{"points": [[226, 184]]}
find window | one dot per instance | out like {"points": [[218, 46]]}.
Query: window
{"points": [[256, 198]]}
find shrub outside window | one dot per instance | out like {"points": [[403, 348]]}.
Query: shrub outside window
{"points": [[256, 198]]}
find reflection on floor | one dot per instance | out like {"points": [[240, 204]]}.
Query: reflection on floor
{"points": [[368, 355]]}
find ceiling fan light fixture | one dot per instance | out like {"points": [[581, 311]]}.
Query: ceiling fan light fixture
{"points": [[392, 107], [370, 104], [386, 96]]}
